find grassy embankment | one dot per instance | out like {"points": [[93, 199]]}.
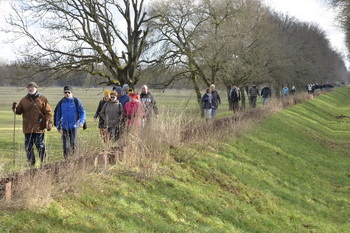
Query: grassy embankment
{"points": [[289, 174]]}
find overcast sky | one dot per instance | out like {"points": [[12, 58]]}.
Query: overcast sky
{"points": [[316, 11]]}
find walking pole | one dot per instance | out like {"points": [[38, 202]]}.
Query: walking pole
{"points": [[14, 135]]}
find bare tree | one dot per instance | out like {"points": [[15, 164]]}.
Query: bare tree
{"points": [[102, 37]]}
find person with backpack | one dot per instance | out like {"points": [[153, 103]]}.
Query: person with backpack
{"points": [[112, 114], [101, 123], [69, 115], [207, 101], [150, 104], [37, 116], [235, 97], [253, 93]]}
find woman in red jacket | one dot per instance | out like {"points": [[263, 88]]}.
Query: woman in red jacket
{"points": [[134, 111]]}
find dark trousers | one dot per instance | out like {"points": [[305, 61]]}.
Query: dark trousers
{"points": [[70, 141], [38, 139], [252, 100], [113, 133]]}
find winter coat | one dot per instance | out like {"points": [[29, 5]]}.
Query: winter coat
{"points": [[123, 99], [112, 113], [134, 111], [36, 113], [149, 103], [69, 116], [207, 101], [101, 123], [235, 94], [253, 91], [285, 91], [216, 100], [266, 92]]}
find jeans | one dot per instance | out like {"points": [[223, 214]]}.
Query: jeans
{"points": [[213, 112], [207, 113], [38, 139], [265, 100], [70, 141]]}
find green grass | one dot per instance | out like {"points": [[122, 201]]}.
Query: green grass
{"points": [[290, 174]]}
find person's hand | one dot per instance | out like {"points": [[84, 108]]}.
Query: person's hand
{"points": [[59, 130], [80, 125], [95, 119], [14, 106], [49, 127]]}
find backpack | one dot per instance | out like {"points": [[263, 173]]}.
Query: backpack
{"points": [[76, 105]]}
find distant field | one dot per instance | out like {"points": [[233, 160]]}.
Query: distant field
{"points": [[176, 101]]}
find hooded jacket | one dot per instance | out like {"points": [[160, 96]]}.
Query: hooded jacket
{"points": [[34, 109], [112, 113]]}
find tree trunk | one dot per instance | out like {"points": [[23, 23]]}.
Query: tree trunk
{"points": [[198, 95], [243, 96]]}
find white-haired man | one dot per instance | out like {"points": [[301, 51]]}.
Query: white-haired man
{"points": [[149, 103], [215, 101]]}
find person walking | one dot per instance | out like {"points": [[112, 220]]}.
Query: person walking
{"points": [[292, 90], [149, 103], [70, 115], [215, 101], [37, 116], [253, 93], [101, 123], [112, 114], [207, 104], [123, 96], [265, 94], [235, 97], [285, 91], [134, 111]]}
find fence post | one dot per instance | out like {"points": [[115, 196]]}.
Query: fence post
{"points": [[8, 191]]}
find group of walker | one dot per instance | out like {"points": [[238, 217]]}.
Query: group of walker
{"points": [[120, 109]]}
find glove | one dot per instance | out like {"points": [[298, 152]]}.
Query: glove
{"points": [[14, 105]]}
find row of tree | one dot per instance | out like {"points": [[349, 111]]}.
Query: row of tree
{"points": [[200, 42]]}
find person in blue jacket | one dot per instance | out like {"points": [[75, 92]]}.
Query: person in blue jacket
{"points": [[70, 115]]}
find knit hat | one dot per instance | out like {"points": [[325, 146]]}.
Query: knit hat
{"points": [[118, 89], [68, 88], [114, 93], [32, 84], [126, 87], [107, 92]]}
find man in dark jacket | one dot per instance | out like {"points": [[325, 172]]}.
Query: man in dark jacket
{"points": [[70, 116], [235, 97], [253, 93], [149, 103], [37, 116], [216, 100], [265, 94]]}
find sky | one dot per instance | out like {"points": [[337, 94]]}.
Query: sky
{"points": [[315, 11]]}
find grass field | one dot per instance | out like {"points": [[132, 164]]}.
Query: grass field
{"points": [[289, 174], [170, 100]]}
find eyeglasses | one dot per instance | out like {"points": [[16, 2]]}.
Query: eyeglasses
{"points": [[113, 97], [67, 92]]}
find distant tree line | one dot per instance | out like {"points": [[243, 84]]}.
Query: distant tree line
{"points": [[170, 43]]}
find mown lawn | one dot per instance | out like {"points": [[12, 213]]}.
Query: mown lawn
{"points": [[290, 174]]}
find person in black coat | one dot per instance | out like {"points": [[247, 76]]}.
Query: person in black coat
{"points": [[101, 123]]}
